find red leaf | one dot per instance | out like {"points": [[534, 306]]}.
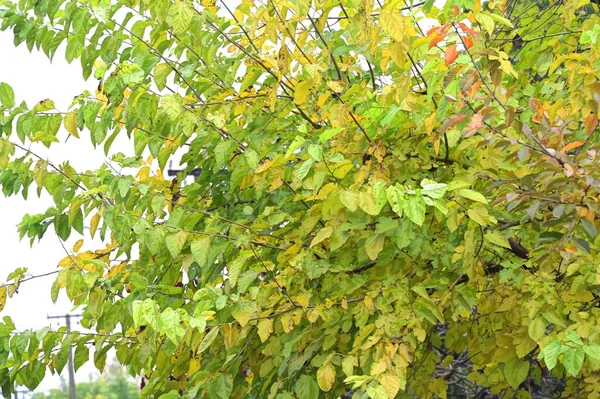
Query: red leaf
{"points": [[591, 122], [455, 11], [451, 54]]}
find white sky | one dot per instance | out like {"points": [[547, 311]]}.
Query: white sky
{"points": [[34, 78]]}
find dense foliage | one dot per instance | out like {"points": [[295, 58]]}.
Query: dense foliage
{"points": [[114, 385], [393, 199]]}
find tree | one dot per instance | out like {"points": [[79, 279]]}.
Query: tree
{"points": [[388, 205], [114, 385]]}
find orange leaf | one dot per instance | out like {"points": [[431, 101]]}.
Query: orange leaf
{"points": [[468, 42], [474, 125], [471, 92], [456, 119], [451, 54], [436, 39], [435, 30], [536, 105], [591, 122], [468, 30], [438, 33], [455, 11], [572, 145]]}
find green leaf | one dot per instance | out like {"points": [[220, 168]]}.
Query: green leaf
{"points": [[170, 324], [306, 387], [243, 311], [496, 238], [181, 15], [550, 353], [82, 356], [235, 267], [297, 143], [414, 207], [433, 189], [208, 339], [246, 279], [316, 152], [7, 96], [172, 105], [396, 197], [486, 21], [161, 72], [221, 387], [592, 350], [516, 371], [501, 20], [61, 225], [377, 392], [537, 329], [200, 249], [573, 360], [198, 323], [330, 133], [305, 168], [175, 242]]}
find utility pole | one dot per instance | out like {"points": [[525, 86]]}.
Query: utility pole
{"points": [[19, 391], [67, 317]]}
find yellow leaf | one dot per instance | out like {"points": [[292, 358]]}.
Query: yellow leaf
{"points": [[378, 367], [339, 115], [323, 234], [94, 224], [392, 384], [44, 105], [143, 173], [393, 22], [70, 122], [430, 123], [348, 365], [2, 297], [77, 245], [398, 51], [265, 328], [194, 366], [366, 202], [336, 86], [326, 377], [301, 92]]}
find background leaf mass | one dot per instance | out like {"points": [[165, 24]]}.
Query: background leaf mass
{"points": [[394, 199]]}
